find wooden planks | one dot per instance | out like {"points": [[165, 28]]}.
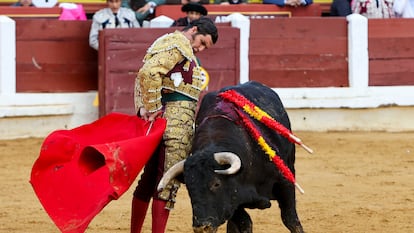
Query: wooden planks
{"points": [[299, 52], [54, 56], [122, 57], [391, 52], [30, 12]]}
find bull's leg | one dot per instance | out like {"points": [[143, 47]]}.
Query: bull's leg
{"points": [[240, 222], [286, 198]]}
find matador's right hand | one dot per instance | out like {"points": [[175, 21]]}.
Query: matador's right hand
{"points": [[148, 116]]}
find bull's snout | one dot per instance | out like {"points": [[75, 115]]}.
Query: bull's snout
{"points": [[205, 229], [205, 225]]}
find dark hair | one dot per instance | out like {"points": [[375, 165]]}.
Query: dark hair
{"points": [[205, 26], [136, 4]]}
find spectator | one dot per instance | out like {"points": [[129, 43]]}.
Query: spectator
{"points": [[404, 8], [114, 16], [341, 8], [228, 2], [183, 2], [373, 8], [144, 9], [193, 11], [169, 84], [294, 3], [23, 3]]}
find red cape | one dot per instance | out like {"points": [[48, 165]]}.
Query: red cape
{"points": [[80, 171]]}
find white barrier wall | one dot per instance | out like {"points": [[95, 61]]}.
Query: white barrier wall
{"points": [[357, 107]]}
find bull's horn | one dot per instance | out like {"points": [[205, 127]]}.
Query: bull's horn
{"points": [[173, 172], [227, 158]]}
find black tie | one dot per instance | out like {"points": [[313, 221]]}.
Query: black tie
{"points": [[116, 20]]}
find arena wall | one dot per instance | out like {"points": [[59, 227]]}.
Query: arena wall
{"points": [[366, 96]]}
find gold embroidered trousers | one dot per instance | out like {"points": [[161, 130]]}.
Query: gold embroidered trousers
{"points": [[177, 138]]}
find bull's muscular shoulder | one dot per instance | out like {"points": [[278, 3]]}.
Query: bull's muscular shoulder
{"points": [[209, 98], [263, 97], [251, 86], [207, 102], [254, 91]]}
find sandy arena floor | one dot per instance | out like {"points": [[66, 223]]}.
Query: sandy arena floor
{"points": [[354, 183]]}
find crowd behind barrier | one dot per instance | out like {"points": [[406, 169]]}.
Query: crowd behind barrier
{"points": [[251, 10], [91, 6]]}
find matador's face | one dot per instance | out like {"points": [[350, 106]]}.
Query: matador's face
{"points": [[201, 42]]}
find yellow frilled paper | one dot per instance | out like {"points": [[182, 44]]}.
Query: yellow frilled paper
{"points": [[96, 101]]}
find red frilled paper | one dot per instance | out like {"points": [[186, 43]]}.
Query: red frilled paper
{"points": [[80, 171]]}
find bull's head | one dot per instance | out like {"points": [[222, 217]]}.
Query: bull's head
{"points": [[214, 191], [201, 178], [222, 158]]}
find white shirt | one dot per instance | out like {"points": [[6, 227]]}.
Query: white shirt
{"points": [[104, 19]]}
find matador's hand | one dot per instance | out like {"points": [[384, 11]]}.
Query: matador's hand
{"points": [[155, 115], [142, 112], [148, 116]]}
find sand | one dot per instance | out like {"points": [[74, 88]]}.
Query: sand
{"points": [[355, 182]]}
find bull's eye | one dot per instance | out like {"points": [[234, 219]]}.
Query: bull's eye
{"points": [[214, 184]]}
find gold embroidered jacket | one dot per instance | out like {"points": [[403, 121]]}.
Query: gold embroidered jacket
{"points": [[165, 54]]}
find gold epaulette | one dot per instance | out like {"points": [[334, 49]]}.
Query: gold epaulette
{"points": [[170, 41]]}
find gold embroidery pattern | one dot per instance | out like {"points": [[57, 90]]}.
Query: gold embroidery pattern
{"points": [[191, 90], [177, 137]]}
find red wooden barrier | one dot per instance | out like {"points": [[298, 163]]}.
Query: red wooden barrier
{"points": [[54, 56], [299, 52], [391, 52], [30, 12], [122, 55]]}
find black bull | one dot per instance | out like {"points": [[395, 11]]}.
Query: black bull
{"points": [[228, 171]]}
